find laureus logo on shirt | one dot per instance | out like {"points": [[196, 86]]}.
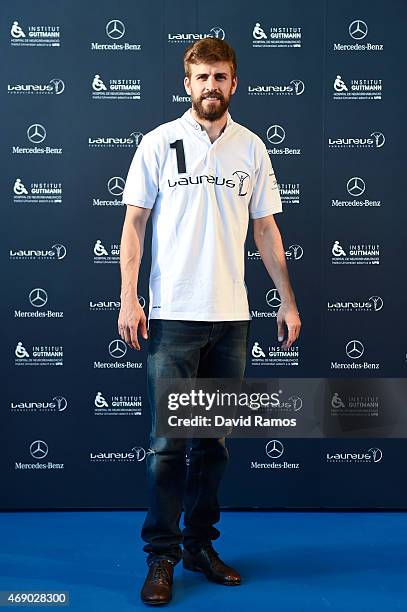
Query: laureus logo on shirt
{"points": [[240, 181]]}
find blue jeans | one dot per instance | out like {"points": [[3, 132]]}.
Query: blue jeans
{"points": [[187, 349]]}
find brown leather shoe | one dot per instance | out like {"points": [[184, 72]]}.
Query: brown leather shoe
{"points": [[207, 561], [157, 586]]}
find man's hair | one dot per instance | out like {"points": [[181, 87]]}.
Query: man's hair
{"points": [[208, 51]]}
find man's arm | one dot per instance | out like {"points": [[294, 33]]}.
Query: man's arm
{"points": [[268, 240], [131, 251]]}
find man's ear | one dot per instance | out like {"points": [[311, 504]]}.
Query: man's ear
{"points": [[187, 85], [234, 85]]}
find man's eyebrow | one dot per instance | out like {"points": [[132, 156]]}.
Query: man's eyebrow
{"points": [[216, 74]]}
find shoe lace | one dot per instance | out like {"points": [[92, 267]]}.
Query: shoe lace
{"points": [[212, 554], [160, 573]]}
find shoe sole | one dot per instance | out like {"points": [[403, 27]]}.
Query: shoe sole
{"points": [[194, 568]]}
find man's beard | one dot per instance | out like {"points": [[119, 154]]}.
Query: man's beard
{"points": [[211, 111]]}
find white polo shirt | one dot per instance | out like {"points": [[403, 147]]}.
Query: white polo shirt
{"points": [[202, 194]]}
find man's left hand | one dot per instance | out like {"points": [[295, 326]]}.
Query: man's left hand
{"points": [[288, 315]]}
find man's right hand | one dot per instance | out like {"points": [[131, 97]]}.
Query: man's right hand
{"points": [[132, 318]]}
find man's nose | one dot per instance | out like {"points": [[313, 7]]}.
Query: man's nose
{"points": [[211, 83]]}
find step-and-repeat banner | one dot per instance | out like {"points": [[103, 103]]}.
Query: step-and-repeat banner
{"points": [[323, 84]]}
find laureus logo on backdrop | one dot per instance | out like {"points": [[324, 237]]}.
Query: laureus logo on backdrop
{"points": [[55, 252], [273, 301], [117, 350], [295, 87], [38, 298], [354, 350], [135, 455], [111, 305], [37, 193], [375, 140], [372, 455], [114, 186], [274, 450], [103, 256], [293, 253], [273, 355], [356, 186], [354, 405], [351, 254], [276, 135], [357, 89], [115, 89], [38, 355], [189, 37], [36, 134], [115, 32], [114, 405], [133, 140], [53, 87], [34, 35], [290, 193], [38, 450], [357, 34], [372, 304], [275, 36], [280, 403], [57, 403]]}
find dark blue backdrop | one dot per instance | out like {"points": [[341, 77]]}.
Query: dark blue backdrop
{"points": [[323, 85]]}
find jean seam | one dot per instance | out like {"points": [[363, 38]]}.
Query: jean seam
{"points": [[200, 474]]}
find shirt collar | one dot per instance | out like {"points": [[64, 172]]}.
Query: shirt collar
{"points": [[189, 118]]}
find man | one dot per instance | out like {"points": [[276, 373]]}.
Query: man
{"points": [[202, 175]]}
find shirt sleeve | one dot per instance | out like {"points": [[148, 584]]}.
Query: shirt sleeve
{"points": [[142, 181], [265, 198]]}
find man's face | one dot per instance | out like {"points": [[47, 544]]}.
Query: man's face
{"points": [[210, 87]]}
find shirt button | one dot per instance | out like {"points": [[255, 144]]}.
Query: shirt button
{"points": [[197, 127]]}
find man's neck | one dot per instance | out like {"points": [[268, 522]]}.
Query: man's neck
{"points": [[213, 128]]}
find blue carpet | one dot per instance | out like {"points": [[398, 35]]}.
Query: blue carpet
{"points": [[290, 562]]}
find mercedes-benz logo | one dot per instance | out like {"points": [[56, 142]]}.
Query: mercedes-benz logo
{"points": [[355, 186], [38, 297], [274, 449], [115, 29], [115, 185], [273, 299], [358, 29], [36, 133], [355, 349], [218, 32], [117, 349], [275, 134], [39, 449]]}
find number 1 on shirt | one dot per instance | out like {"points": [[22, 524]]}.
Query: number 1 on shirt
{"points": [[178, 145]]}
